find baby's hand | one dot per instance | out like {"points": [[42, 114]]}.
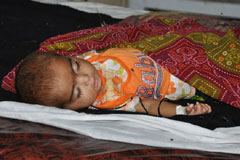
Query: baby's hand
{"points": [[198, 108]]}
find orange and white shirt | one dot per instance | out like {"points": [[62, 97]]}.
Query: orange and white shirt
{"points": [[128, 73]]}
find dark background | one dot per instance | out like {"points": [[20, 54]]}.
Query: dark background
{"points": [[24, 24]]}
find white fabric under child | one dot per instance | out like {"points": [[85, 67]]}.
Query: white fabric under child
{"points": [[138, 129]]}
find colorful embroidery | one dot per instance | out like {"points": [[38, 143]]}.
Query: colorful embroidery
{"points": [[204, 57], [223, 51]]}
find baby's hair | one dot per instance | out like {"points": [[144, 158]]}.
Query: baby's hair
{"points": [[35, 80]]}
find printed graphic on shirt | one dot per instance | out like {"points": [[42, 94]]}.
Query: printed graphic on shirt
{"points": [[115, 75], [151, 77], [181, 89]]}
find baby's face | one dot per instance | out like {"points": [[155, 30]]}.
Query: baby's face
{"points": [[78, 82]]}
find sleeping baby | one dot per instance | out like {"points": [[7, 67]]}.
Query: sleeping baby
{"points": [[118, 78]]}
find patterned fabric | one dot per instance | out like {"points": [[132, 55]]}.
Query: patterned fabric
{"points": [[170, 17], [179, 89], [208, 59]]}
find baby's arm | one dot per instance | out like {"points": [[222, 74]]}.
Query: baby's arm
{"points": [[167, 109]]}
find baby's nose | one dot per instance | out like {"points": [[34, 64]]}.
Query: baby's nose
{"points": [[82, 79]]}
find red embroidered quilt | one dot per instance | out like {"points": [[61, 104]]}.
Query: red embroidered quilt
{"points": [[208, 59]]}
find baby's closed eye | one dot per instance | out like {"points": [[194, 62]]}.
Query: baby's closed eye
{"points": [[77, 93]]}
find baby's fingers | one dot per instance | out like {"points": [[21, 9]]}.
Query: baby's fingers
{"points": [[205, 108], [208, 108], [198, 108]]}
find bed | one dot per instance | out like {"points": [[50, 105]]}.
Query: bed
{"points": [[29, 132]]}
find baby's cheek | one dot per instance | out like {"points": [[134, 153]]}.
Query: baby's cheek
{"points": [[90, 97]]}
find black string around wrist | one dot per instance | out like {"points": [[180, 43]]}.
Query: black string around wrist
{"points": [[159, 105], [143, 105]]}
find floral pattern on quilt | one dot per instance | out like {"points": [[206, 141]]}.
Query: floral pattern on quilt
{"points": [[206, 58]]}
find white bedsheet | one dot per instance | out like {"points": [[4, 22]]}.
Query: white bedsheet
{"points": [[138, 129], [90, 7]]}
